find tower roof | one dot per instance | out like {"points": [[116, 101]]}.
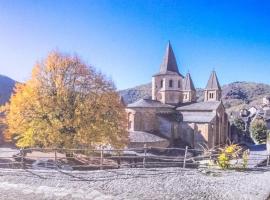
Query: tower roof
{"points": [[188, 83], [169, 63], [213, 83]]}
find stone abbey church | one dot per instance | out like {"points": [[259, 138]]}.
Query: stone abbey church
{"points": [[173, 116]]}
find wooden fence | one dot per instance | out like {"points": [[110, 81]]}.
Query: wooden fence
{"points": [[93, 159]]}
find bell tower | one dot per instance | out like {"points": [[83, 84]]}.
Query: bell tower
{"points": [[167, 84], [189, 91], [212, 91]]}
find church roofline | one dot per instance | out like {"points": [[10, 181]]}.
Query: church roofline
{"points": [[213, 83]]}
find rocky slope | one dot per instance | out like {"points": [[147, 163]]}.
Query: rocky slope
{"points": [[6, 87], [235, 95]]}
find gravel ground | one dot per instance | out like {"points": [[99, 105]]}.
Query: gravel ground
{"points": [[165, 183]]}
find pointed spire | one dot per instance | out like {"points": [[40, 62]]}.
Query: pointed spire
{"points": [[169, 61], [213, 83], [188, 83]]}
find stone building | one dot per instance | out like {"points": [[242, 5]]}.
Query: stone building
{"points": [[173, 112]]}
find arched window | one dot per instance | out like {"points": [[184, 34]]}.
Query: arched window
{"points": [[171, 83], [161, 84], [179, 84]]}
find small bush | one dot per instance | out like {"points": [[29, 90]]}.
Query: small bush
{"points": [[227, 154]]}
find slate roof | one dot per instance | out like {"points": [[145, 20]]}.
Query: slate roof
{"points": [[174, 117], [169, 64], [144, 137], [188, 83], [199, 117], [201, 106], [213, 83], [148, 103]]}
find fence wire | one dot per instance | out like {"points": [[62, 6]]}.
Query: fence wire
{"points": [[94, 159]]}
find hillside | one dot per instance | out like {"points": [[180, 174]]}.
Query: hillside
{"points": [[235, 95], [6, 87]]}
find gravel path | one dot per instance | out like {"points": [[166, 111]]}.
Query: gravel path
{"points": [[258, 153], [165, 183]]}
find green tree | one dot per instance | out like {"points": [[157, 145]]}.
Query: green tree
{"points": [[239, 124], [66, 103], [258, 130]]}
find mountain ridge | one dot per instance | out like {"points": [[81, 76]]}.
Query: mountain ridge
{"points": [[6, 88], [235, 95]]}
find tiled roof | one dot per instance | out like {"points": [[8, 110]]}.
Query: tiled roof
{"points": [[148, 103], [188, 83], [201, 106], [213, 83], [199, 117], [144, 137]]}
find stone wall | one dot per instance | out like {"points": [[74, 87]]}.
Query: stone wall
{"points": [[163, 92]]}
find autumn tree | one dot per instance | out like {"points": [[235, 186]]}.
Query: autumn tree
{"points": [[66, 103]]}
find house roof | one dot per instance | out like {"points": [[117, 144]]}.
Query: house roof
{"points": [[144, 137], [201, 106], [188, 83], [213, 83], [148, 103], [199, 117], [169, 64]]}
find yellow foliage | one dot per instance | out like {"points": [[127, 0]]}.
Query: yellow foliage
{"points": [[227, 154], [66, 103]]}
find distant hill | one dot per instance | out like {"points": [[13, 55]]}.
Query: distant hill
{"points": [[6, 88], [235, 95]]}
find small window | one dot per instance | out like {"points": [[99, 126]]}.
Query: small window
{"points": [[211, 95], [171, 83], [179, 84], [161, 84]]}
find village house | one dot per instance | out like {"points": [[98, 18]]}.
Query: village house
{"points": [[248, 115], [172, 115]]}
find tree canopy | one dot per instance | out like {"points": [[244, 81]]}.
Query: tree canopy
{"points": [[66, 103], [239, 124], [259, 130]]}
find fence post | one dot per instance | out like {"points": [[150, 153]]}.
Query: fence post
{"points": [[101, 158], [145, 154], [118, 161], [185, 157], [55, 158], [22, 158]]}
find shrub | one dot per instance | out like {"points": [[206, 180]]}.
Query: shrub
{"points": [[227, 154], [258, 131], [239, 124]]}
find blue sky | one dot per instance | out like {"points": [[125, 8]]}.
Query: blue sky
{"points": [[126, 39]]}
